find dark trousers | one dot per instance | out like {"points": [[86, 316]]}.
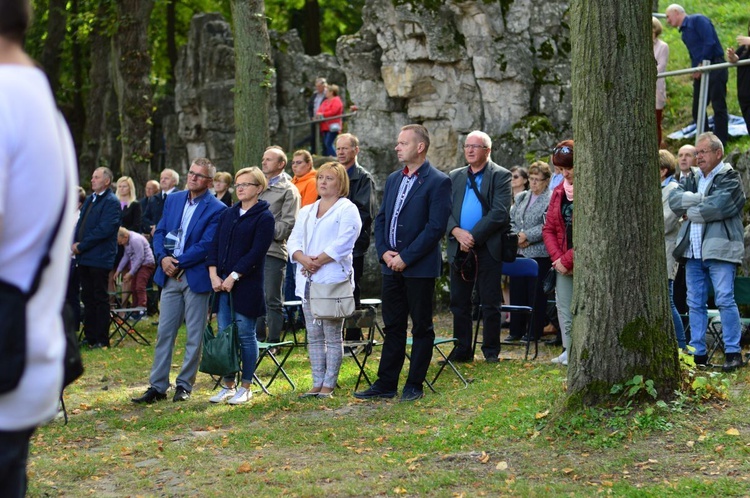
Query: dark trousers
{"points": [[73, 295], [95, 303], [489, 273], [405, 297], [523, 292], [744, 101], [358, 266], [717, 96], [14, 452]]}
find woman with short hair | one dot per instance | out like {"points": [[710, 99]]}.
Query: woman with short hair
{"points": [[222, 180]]}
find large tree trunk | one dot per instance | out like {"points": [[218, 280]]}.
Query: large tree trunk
{"points": [[622, 323], [57, 18], [311, 40], [132, 67], [172, 39], [253, 79]]}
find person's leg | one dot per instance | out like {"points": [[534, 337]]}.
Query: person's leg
{"points": [[224, 320], [99, 278], [316, 348], [89, 308], [679, 330], [172, 313], [420, 292], [659, 119], [14, 453], [248, 347], [460, 305], [540, 299], [564, 293], [696, 279], [490, 296], [334, 352], [358, 266], [745, 108], [395, 313], [140, 280], [722, 277], [196, 315], [274, 283], [518, 291], [717, 94]]}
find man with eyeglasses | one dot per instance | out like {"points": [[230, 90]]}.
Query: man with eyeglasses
{"points": [[711, 240], [362, 194], [181, 242], [481, 193], [284, 202]]}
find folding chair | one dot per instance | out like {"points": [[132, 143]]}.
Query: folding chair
{"points": [[270, 350], [124, 321], [521, 267], [714, 332], [364, 319], [373, 303], [290, 323], [436, 344]]}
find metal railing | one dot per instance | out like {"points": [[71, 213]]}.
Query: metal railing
{"points": [[316, 134], [706, 68]]}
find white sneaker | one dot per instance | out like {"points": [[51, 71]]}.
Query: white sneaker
{"points": [[562, 359], [243, 396], [222, 395]]}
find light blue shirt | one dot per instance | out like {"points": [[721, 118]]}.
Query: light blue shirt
{"points": [[187, 215], [471, 208]]}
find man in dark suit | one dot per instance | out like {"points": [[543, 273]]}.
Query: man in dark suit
{"points": [[95, 248], [168, 181], [189, 222], [408, 228], [474, 229]]}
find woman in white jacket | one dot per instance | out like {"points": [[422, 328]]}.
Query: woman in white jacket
{"points": [[322, 242]]}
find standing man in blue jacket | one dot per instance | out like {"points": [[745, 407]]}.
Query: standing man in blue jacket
{"points": [[711, 240], [408, 228], [181, 243], [95, 248], [702, 42]]}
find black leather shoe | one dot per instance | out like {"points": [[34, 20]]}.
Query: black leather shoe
{"points": [[554, 342], [181, 394], [700, 359], [375, 392], [149, 397], [492, 359], [733, 362], [411, 393], [457, 360]]}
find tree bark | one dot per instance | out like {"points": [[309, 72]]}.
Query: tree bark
{"points": [[57, 18], [132, 67], [311, 40], [172, 39], [622, 323], [253, 78]]}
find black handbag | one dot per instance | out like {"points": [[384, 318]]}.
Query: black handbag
{"points": [[221, 352], [549, 281]]}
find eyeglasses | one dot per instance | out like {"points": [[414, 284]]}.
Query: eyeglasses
{"points": [[702, 151], [242, 186], [474, 147], [198, 175], [563, 150]]}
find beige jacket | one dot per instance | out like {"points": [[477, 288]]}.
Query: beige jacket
{"points": [[284, 200]]}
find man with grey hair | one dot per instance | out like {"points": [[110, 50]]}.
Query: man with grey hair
{"points": [[181, 243], [95, 248], [711, 240], [481, 195], [702, 42], [317, 98]]}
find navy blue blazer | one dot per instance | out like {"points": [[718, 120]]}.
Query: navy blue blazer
{"points": [[200, 232], [98, 242], [421, 223], [240, 245]]}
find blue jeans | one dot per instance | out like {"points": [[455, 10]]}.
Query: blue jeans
{"points": [[329, 137], [246, 333], [699, 275], [679, 330]]}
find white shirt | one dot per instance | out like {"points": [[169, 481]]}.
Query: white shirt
{"points": [[36, 159]]}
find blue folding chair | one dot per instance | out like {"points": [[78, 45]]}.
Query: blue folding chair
{"points": [[521, 267]]}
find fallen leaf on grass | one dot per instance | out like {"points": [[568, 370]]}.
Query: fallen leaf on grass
{"points": [[244, 468], [690, 444], [484, 457], [502, 466], [567, 470], [719, 448], [541, 414], [400, 491], [733, 432]]}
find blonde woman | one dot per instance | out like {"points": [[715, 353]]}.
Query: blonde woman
{"points": [[222, 180], [322, 243], [131, 210]]}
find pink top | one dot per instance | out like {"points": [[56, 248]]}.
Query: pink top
{"points": [[661, 54]]}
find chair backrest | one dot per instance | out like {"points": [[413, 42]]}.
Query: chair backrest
{"points": [[742, 290], [521, 267]]}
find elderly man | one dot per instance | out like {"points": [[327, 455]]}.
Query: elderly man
{"points": [[284, 201], [481, 210], [712, 241], [362, 194], [317, 98], [181, 243], [168, 181], [685, 163], [408, 228], [137, 263], [95, 248], [702, 42]]}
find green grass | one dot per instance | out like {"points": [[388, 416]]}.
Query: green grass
{"points": [[730, 18], [503, 435]]}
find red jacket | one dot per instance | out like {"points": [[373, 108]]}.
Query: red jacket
{"points": [[328, 108], [554, 233]]}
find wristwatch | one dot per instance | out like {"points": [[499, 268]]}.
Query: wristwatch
{"points": [[235, 275]]}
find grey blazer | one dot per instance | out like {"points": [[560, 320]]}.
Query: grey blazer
{"points": [[530, 221], [496, 190]]}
